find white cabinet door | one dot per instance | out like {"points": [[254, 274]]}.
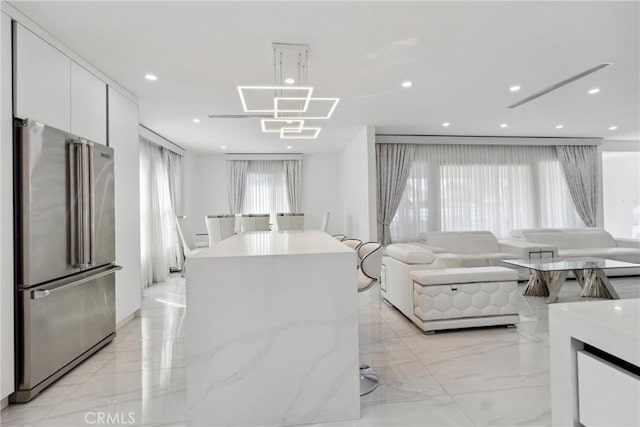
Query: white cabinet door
{"points": [[88, 105], [123, 138], [42, 81]]}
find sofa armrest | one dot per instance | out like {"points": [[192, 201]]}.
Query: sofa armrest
{"points": [[525, 249], [623, 242]]}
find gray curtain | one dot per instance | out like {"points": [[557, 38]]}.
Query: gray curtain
{"points": [[236, 179], [293, 175], [580, 166], [393, 163]]}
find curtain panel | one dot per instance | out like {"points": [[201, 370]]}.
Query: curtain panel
{"points": [[159, 244], [483, 187], [173, 165], [265, 188], [236, 183], [580, 166], [393, 164], [293, 174]]}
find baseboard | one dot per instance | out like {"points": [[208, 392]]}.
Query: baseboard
{"points": [[4, 403], [128, 319]]}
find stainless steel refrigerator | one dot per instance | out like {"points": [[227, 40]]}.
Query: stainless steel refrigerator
{"points": [[65, 253]]}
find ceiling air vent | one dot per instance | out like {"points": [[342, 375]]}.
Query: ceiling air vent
{"points": [[560, 84]]}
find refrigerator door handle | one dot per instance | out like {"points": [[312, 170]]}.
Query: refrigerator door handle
{"points": [[89, 203], [43, 293], [82, 217], [75, 201]]}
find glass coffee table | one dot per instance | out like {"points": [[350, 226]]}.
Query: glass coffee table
{"points": [[550, 274]]}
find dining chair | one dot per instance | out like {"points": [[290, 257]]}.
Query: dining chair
{"points": [[219, 227], [255, 222], [290, 221]]}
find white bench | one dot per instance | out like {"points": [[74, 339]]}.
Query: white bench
{"points": [[435, 297]]}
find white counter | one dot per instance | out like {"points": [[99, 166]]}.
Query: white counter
{"points": [[272, 331], [611, 326]]}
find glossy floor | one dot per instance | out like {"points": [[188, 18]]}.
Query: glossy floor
{"points": [[492, 376]]}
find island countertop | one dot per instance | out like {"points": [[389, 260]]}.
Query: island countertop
{"points": [[264, 243], [272, 331]]}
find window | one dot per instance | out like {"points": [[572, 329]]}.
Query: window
{"points": [[266, 188], [473, 187]]}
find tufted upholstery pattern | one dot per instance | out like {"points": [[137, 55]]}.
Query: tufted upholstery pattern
{"points": [[465, 300]]}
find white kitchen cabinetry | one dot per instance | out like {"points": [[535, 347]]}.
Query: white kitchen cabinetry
{"points": [[42, 81], [52, 89], [123, 138], [88, 105]]}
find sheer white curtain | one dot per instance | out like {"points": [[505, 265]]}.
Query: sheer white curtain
{"points": [[157, 221], [172, 163], [266, 188], [489, 187]]}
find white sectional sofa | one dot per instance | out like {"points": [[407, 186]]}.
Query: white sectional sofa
{"points": [[585, 242], [481, 249], [435, 296]]}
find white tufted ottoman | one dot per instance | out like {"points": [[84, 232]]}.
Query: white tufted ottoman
{"points": [[464, 297]]}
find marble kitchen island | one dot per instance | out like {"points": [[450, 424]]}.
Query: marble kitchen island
{"points": [[272, 331]]}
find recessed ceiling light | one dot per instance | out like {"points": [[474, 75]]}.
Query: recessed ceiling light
{"points": [[151, 77], [514, 88], [407, 84], [613, 127], [289, 81], [593, 91], [504, 125], [559, 126], [289, 147], [224, 147], [446, 124], [196, 120]]}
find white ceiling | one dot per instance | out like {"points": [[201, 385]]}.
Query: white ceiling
{"points": [[461, 57]]}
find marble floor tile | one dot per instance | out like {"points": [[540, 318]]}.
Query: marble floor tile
{"points": [[519, 406], [484, 376], [402, 380], [501, 367]]}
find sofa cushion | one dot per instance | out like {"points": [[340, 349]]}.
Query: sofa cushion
{"points": [[450, 240], [618, 254], [450, 260], [410, 254], [589, 238], [501, 255], [480, 242], [473, 260], [550, 237], [463, 275]]}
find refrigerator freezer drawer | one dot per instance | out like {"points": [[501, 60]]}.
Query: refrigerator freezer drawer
{"points": [[62, 322]]}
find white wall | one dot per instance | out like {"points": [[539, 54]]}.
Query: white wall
{"points": [[206, 189], [123, 137], [621, 191], [358, 186], [6, 213]]}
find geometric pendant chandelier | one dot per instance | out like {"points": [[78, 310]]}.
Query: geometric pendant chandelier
{"points": [[289, 99]]}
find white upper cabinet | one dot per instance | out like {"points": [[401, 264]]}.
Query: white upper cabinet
{"points": [[42, 81], [88, 105], [52, 89]]}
